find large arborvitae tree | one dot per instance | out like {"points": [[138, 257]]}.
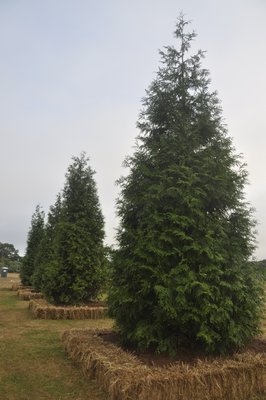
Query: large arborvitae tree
{"points": [[181, 276], [76, 274], [35, 236]]}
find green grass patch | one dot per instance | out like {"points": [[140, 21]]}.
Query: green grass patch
{"points": [[33, 364], [9, 300]]}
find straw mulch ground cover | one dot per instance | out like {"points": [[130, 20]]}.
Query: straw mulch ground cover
{"points": [[29, 295], [126, 377], [42, 309]]}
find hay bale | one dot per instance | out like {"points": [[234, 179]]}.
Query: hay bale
{"points": [[125, 377], [29, 294], [43, 310], [18, 286], [15, 286], [35, 295]]}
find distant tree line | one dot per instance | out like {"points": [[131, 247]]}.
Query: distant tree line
{"points": [[9, 257]]}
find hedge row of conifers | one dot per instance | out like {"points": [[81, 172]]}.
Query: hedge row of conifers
{"points": [[180, 273]]}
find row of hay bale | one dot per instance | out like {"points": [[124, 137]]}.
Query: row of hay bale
{"points": [[29, 294], [125, 377], [41, 309], [26, 292], [19, 286]]}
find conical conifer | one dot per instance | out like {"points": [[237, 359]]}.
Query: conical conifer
{"points": [[76, 273], [35, 236], [181, 276], [47, 254]]}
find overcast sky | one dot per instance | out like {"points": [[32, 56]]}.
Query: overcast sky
{"points": [[72, 75]]}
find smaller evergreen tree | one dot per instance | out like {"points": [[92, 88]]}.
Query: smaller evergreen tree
{"points": [[76, 273], [35, 236], [46, 252]]}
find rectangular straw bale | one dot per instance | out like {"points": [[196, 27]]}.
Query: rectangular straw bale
{"points": [[35, 295], [24, 290], [28, 295], [43, 310], [23, 295], [18, 286], [125, 377]]}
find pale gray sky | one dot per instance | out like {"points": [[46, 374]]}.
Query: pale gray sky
{"points": [[72, 75]]}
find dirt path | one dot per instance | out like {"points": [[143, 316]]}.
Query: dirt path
{"points": [[33, 364]]}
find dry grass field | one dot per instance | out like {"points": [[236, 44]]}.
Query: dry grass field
{"points": [[33, 364]]}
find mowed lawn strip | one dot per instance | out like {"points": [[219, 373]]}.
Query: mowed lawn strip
{"points": [[33, 364]]}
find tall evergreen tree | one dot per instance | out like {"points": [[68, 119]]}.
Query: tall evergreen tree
{"points": [[75, 276], [181, 276], [35, 236], [46, 256]]}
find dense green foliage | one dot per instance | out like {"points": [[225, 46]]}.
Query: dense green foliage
{"points": [[9, 257], [72, 259], [47, 250], [35, 236], [181, 276]]}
